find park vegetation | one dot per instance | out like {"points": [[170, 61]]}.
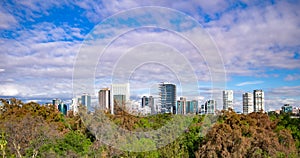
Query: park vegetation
{"points": [[33, 130]]}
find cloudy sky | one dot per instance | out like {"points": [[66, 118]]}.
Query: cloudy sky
{"points": [[257, 41]]}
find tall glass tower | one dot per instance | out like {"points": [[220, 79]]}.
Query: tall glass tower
{"points": [[86, 101], [167, 96]]}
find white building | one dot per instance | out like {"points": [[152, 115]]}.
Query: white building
{"points": [[259, 101], [247, 103], [75, 103], [227, 99], [209, 107], [120, 94]]}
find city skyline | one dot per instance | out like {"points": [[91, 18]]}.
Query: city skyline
{"points": [[257, 40], [166, 99]]}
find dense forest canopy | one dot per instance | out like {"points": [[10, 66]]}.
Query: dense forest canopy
{"points": [[33, 130]]}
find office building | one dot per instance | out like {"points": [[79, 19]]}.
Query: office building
{"points": [[120, 95], [167, 95], [181, 106], [104, 99], [56, 102], [209, 107], [86, 101], [147, 101], [63, 108], [247, 103], [258, 100], [227, 99], [192, 107], [286, 108], [75, 104]]}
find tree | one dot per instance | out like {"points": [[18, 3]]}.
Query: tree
{"points": [[250, 135], [3, 144]]}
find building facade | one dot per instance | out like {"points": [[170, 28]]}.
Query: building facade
{"points": [[247, 103], [181, 106], [120, 95], [104, 99], [259, 101], [193, 108], [167, 95], [86, 101], [227, 99], [56, 102], [209, 107], [76, 101], [148, 101], [286, 108]]}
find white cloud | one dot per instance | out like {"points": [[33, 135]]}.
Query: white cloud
{"points": [[6, 20], [249, 83], [8, 90], [292, 77], [257, 38]]}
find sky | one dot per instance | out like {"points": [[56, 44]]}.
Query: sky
{"points": [[257, 45]]}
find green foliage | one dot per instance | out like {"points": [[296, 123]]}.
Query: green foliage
{"points": [[292, 124], [32, 130], [73, 142]]}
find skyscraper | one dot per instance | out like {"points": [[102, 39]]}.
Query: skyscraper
{"points": [[193, 107], [104, 99], [167, 94], [247, 103], [120, 94], [86, 101], [209, 107], [181, 106], [76, 101], [147, 101], [227, 99], [56, 102], [259, 101], [186, 106], [63, 108]]}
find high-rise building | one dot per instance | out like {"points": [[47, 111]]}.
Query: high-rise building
{"points": [[193, 107], [247, 103], [209, 107], [120, 94], [227, 99], [259, 101], [63, 108], [181, 106], [167, 94], [147, 101], [76, 101], [186, 106], [56, 102], [86, 101], [104, 99]]}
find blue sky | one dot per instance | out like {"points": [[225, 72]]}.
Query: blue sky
{"points": [[257, 40]]}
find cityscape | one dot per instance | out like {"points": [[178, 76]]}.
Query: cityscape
{"points": [[153, 79], [167, 102]]}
